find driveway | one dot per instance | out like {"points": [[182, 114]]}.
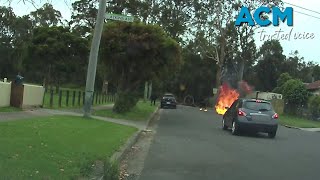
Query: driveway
{"points": [[190, 145]]}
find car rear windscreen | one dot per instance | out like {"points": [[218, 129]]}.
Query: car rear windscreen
{"points": [[257, 106], [168, 97]]}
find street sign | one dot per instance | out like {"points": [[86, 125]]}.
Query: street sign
{"points": [[214, 90], [119, 17]]}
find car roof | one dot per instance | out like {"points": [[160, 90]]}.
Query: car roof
{"points": [[261, 100], [168, 94]]}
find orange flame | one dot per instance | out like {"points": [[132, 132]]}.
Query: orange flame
{"points": [[226, 97]]}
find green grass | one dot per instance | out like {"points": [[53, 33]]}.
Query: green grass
{"points": [[9, 109], [142, 111], [298, 122], [46, 102], [57, 147]]}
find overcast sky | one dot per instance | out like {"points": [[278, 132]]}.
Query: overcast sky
{"points": [[308, 48]]}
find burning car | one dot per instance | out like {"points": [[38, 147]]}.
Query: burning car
{"points": [[251, 115], [226, 97]]}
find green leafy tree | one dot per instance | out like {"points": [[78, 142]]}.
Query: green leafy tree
{"points": [[284, 77], [56, 54], [22, 37], [7, 20], [46, 16], [316, 72], [314, 106], [268, 67], [84, 14], [211, 19], [295, 94], [293, 65], [135, 53]]}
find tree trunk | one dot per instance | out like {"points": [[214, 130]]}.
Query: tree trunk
{"points": [[146, 91], [218, 77], [241, 70]]}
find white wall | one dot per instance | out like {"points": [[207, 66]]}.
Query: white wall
{"points": [[265, 95], [5, 93], [32, 95]]}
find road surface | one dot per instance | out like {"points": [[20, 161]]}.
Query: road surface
{"points": [[190, 145]]}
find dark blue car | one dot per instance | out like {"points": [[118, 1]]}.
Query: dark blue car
{"points": [[168, 101]]}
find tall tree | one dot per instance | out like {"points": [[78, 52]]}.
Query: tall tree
{"points": [[22, 37], [269, 65], [7, 19], [135, 53], [212, 18], [56, 54], [84, 15], [46, 16], [293, 65]]}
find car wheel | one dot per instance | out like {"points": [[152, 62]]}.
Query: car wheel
{"points": [[272, 134], [235, 128], [224, 126]]}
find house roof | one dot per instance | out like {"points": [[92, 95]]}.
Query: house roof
{"points": [[313, 86]]}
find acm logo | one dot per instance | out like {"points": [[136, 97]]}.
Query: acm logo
{"points": [[277, 14]]}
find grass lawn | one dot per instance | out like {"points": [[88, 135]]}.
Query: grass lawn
{"points": [[141, 112], [9, 109], [57, 147], [298, 122]]}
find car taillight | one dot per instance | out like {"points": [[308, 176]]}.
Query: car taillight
{"points": [[241, 113], [275, 116]]}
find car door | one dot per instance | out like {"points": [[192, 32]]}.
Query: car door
{"points": [[231, 113]]}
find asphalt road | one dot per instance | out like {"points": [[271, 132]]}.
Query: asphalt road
{"points": [[190, 145]]}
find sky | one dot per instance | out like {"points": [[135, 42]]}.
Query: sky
{"points": [[303, 24]]}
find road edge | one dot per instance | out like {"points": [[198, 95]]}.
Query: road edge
{"points": [[119, 155], [302, 129]]}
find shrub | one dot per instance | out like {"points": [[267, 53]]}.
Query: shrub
{"points": [[314, 106], [111, 170], [295, 94], [125, 102]]}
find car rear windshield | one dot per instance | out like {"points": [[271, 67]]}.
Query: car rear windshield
{"points": [[169, 96], [257, 106]]}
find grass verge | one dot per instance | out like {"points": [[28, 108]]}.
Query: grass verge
{"points": [[141, 112], [298, 122], [58, 147], [9, 109]]}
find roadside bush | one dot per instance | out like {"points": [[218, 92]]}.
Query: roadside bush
{"points": [[295, 94], [314, 106], [125, 102], [111, 170]]}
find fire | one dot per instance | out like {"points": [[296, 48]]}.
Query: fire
{"points": [[226, 97]]}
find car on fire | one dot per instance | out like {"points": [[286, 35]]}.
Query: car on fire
{"points": [[251, 115], [168, 101]]}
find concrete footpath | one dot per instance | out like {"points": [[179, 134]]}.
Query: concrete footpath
{"points": [[11, 116]]}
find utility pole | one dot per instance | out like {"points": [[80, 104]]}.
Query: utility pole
{"points": [[93, 58], [146, 91]]}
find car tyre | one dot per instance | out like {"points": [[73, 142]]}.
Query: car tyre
{"points": [[272, 135], [235, 128], [224, 126]]}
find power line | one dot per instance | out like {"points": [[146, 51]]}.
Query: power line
{"points": [[303, 8], [307, 14]]}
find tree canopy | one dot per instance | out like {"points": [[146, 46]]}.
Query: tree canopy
{"points": [[135, 53]]}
